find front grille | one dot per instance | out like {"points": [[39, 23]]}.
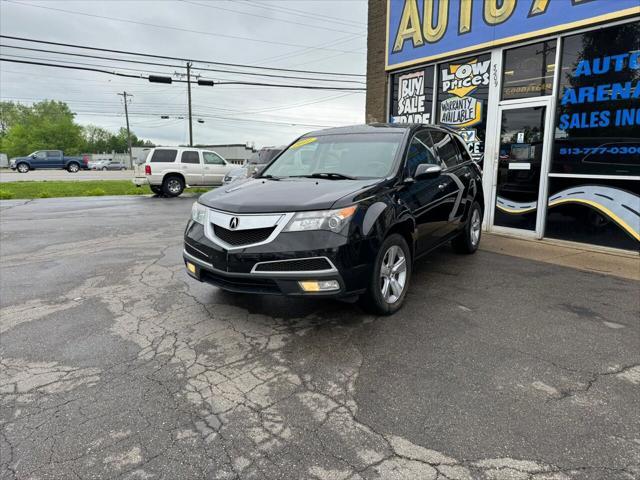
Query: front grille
{"points": [[237, 238], [240, 284], [302, 265]]}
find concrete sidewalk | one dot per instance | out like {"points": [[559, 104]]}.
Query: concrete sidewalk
{"points": [[614, 262]]}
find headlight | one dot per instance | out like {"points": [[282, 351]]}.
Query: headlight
{"points": [[332, 220], [198, 213]]}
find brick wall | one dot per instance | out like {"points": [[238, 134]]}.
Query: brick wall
{"points": [[376, 76]]}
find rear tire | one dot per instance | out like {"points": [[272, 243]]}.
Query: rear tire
{"points": [[73, 167], [469, 239], [390, 277], [104, 169], [22, 167], [172, 186]]}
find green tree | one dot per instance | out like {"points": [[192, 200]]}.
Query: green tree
{"points": [[96, 139], [10, 114], [45, 125]]}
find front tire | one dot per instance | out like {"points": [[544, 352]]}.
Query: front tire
{"points": [[104, 169], [390, 277], [73, 167], [22, 167], [172, 186], [469, 239]]}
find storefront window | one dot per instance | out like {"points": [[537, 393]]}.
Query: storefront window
{"points": [[412, 98], [597, 139], [463, 93], [528, 71]]}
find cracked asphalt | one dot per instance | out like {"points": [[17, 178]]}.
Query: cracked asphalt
{"points": [[115, 364]]}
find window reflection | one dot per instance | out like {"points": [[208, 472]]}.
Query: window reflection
{"points": [[528, 71]]}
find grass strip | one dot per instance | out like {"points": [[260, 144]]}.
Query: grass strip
{"points": [[92, 188]]}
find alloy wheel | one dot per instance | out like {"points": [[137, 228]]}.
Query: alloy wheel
{"points": [[393, 274], [476, 225], [174, 186], [73, 168], [22, 168]]}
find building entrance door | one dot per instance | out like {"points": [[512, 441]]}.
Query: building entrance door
{"points": [[519, 187]]}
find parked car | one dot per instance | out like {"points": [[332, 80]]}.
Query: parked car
{"points": [[111, 165], [168, 171], [342, 213], [234, 174], [92, 164], [49, 159], [253, 165]]}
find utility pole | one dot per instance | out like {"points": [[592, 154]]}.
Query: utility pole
{"points": [[189, 99], [124, 96]]}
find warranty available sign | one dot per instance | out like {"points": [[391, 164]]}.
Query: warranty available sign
{"points": [[461, 80]]}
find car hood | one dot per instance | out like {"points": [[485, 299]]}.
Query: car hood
{"points": [[286, 195]]}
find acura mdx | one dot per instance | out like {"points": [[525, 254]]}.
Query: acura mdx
{"points": [[342, 212]]}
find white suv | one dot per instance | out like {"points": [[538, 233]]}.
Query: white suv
{"points": [[168, 171]]}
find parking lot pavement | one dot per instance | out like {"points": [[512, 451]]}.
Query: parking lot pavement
{"points": [[63, 175], [115, 363]]}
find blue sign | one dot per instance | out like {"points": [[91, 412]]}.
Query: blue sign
{"points": [[423, 30]]}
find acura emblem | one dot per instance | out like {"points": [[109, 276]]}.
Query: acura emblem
{"points": [[233, 223]]}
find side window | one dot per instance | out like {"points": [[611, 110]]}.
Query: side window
{"points": [[464, 153], [420, 151], [190, 156], [41, 155], [53, 154], [211, 158], [447, 149], [164, 156]]}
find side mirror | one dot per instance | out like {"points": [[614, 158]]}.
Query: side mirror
{"points": [[425, 170], [33, 155]]}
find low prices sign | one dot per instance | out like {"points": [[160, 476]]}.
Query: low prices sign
{"points": [[460, 81], [462, 94]]}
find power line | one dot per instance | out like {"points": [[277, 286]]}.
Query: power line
{"points": [[149, 55], [140, 62], [218, 7], [314, 16], [153, 25], [142, 76]]}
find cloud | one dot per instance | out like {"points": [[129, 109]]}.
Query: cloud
{"points": [[231, 114]]}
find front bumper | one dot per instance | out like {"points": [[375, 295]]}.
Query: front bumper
{"points": [[234, 270]]}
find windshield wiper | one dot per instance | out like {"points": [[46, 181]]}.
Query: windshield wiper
{"points": [[270, 177], [329, 175]]}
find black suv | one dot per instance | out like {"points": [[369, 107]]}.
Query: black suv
{"points": [[342, 212]]}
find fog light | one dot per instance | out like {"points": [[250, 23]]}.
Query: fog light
{"points": [[319, 286], [191, 267]]}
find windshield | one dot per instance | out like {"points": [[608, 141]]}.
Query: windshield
{"points": [[350, 155]]}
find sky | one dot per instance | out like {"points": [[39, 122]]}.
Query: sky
{"points": [[320, 35]]}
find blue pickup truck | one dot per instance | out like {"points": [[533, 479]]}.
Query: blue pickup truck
{"points": [[49, 159]]}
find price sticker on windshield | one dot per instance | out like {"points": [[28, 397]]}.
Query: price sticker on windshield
{"points": [[303, 142]]}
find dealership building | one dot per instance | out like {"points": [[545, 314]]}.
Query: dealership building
{"points": [[546, 93]]}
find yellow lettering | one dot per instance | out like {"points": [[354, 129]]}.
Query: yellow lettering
{"points": [[538, 7], [409, 26], [494, 14], [434, 33], [464, 23]]}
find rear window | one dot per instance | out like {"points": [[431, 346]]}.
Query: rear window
{"points": [[164, 156]]}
